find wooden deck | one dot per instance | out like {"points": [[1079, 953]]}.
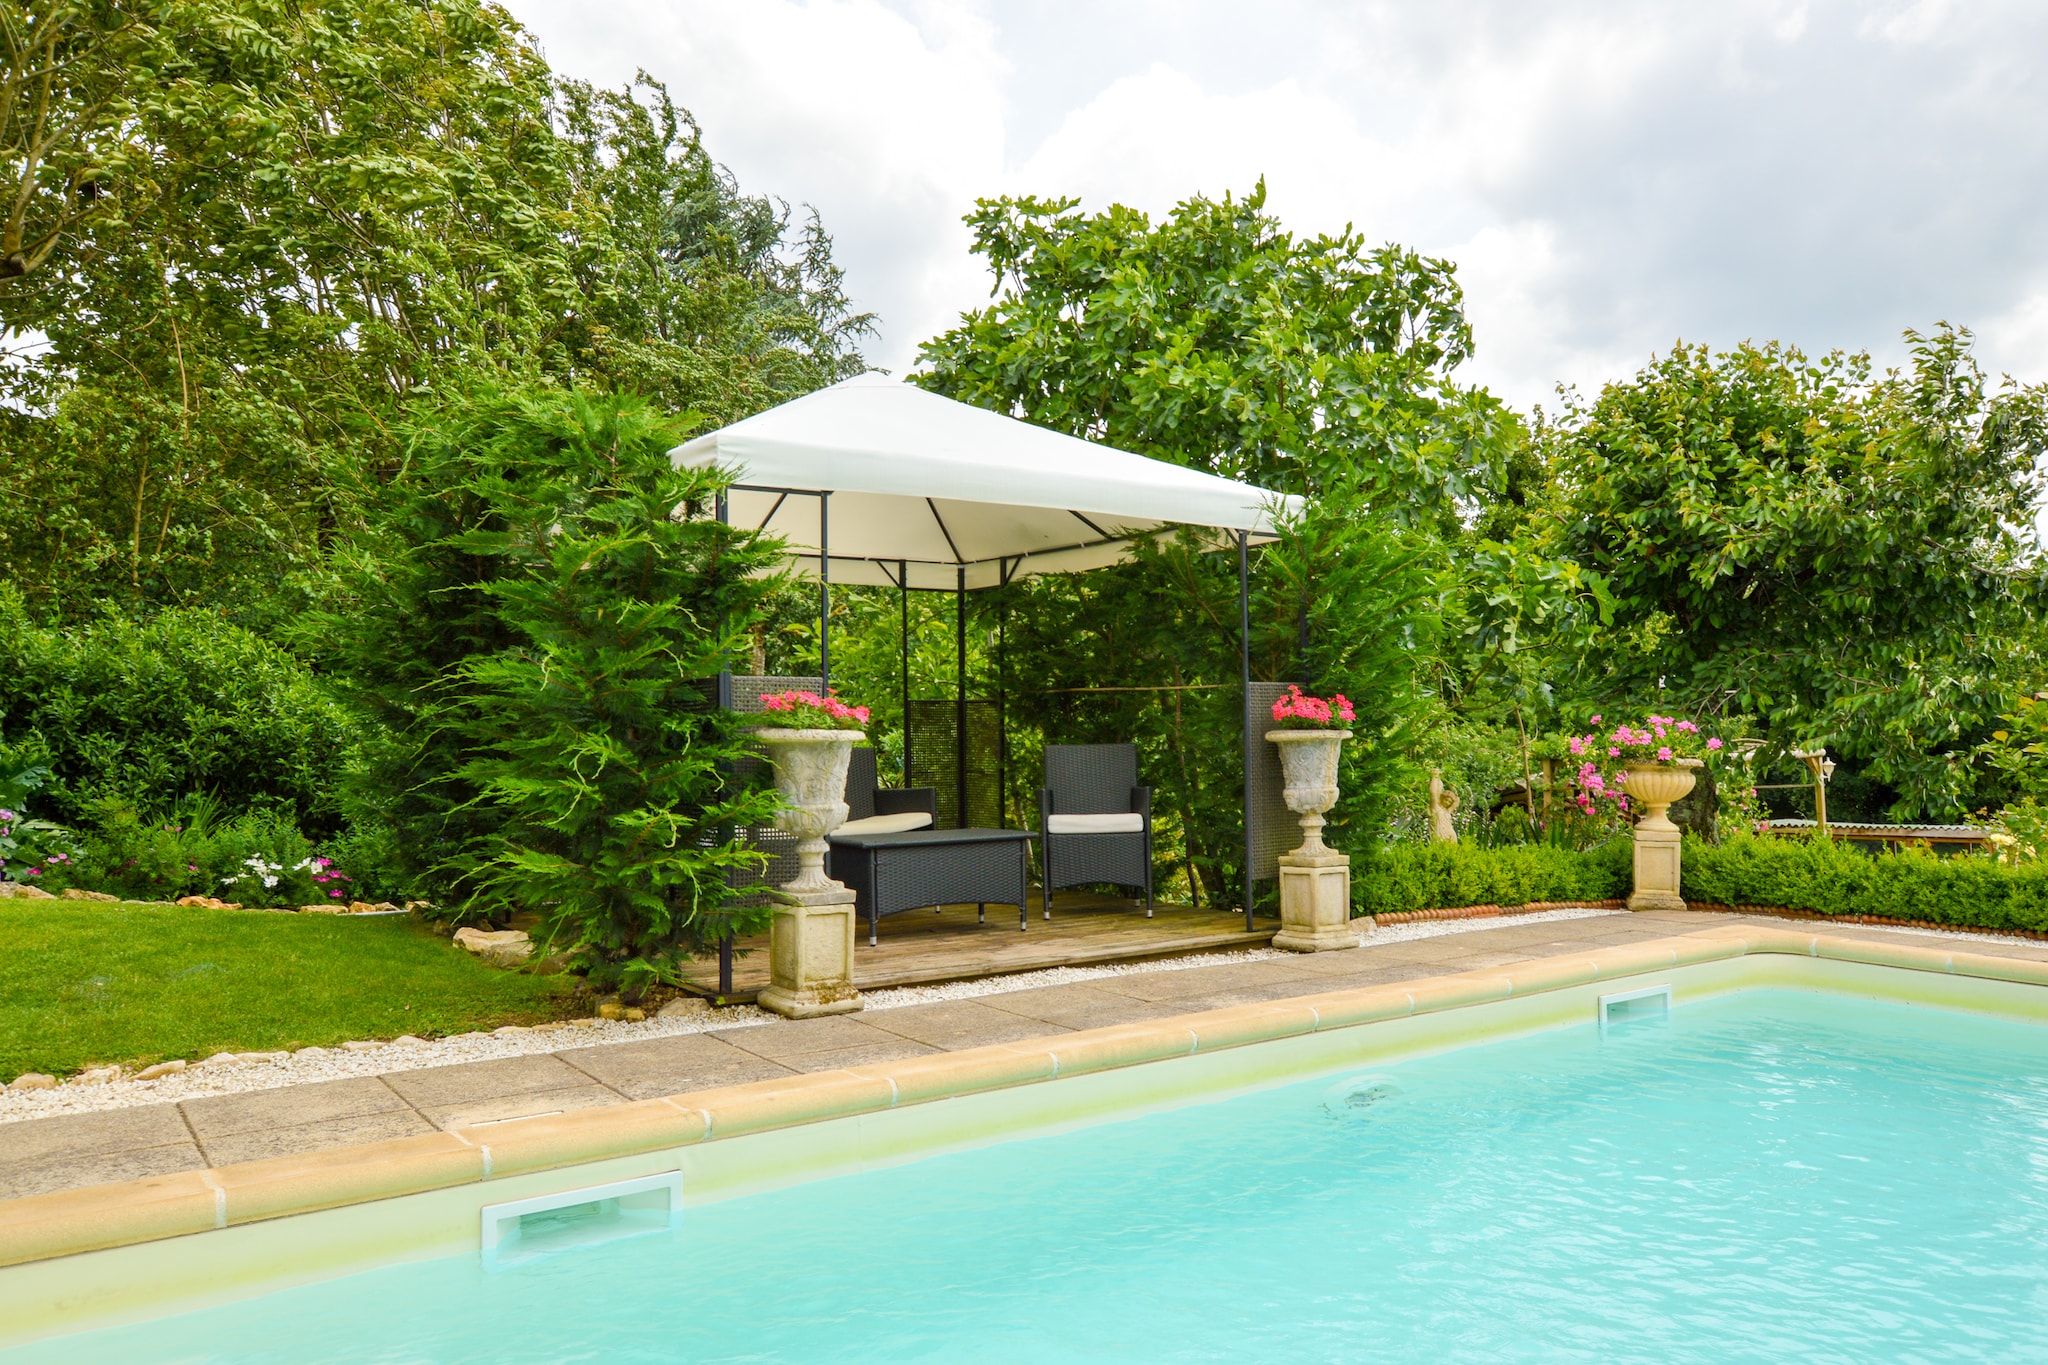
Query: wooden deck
{"points": [[921, 948]]}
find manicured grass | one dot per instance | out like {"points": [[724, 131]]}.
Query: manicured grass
{"points": [[85, 984]]}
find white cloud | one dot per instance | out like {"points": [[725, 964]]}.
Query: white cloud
{"points": [[1611, 176]]}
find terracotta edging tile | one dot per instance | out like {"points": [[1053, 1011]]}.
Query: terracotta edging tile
{"points": [[934, 1077], [541, 1143], [346, 1175], [785, 1101], [1242, 1025], [41, 1226]]}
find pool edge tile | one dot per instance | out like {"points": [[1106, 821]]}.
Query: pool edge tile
{"points": [[42, 1227]]}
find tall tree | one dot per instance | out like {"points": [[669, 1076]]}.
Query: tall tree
{"points": [[1215, 339], [312, 210], [1849, 556]]}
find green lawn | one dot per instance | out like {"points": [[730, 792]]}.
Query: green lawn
{"points": [[87, 983]]}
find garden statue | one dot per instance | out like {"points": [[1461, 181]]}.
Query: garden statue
{"points": [[810, 942], [1315, 879], [1443, 804]]}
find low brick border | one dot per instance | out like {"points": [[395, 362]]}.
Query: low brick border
{"points": [[1490, 911], [42, 1227]]}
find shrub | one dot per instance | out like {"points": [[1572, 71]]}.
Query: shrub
{"points": [[535, 616], [184, 702], [1407, 877], [1829, 878]]}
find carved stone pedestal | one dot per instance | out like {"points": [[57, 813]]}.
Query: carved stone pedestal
{"points": [[1315, 879], [1653, 787], [810, 955], [810, 942], [1315, 902]]}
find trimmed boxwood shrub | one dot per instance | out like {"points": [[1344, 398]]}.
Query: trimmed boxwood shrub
{"points": [[1406, 877], [1828, 878]]}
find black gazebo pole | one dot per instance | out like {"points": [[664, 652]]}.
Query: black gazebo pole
{"points": [[825, 591], [960, 691], [903, 606], [1244, 678], [724, 698]]}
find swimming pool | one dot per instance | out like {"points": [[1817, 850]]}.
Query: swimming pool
{"points": [[1766, 1175]]}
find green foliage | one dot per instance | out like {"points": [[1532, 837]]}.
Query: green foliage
{"points": [[1215, 339], [182, 703], [85, 984], [1432, 876], [1847, 557], [1828, 878], [311, 212], [533, 624]]}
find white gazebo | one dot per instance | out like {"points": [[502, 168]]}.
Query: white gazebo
{"points": [[877, 482]]}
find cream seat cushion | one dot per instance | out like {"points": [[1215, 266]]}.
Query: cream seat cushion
{"points": [[901, 823], [1129, 822]]}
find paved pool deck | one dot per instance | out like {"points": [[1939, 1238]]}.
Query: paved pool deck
{"points": [[43, 1156]]}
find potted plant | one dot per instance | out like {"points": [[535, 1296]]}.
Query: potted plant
{"points": [[810, 741], [1310, 733], [1315, 879], [1650, 766]]}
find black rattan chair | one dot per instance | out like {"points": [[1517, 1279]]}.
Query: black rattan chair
{"points": [[866, 798], [1107, 835]]}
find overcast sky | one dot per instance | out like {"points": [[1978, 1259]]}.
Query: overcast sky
{"points": [[1608, 177]]}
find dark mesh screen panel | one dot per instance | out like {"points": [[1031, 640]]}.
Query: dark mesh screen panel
{"points": [[1272, 828], [934, 762]]}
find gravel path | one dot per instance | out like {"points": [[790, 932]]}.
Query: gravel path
{"points": [[78, 1096]]}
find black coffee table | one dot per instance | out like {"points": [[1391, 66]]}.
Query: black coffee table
{"points": [[891, 873]]}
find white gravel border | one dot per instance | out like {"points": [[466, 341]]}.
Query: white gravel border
{"points": [[332, 1064]]}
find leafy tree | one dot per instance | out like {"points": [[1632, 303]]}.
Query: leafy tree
{"points": [[1216, 340], [1849, 557], [312, 211], [533, 623]]}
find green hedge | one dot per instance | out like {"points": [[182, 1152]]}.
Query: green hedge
{"points": [[1405, 877], [150, 711], [1828, 878]]}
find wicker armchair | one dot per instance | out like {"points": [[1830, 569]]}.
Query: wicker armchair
{"points": [[1094, 820]]}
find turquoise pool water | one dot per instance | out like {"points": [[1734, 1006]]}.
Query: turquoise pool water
{"points": [[1771, 1176]]}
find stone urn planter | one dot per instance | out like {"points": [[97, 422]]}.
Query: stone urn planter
{"points": [[810, 943], [1652, 787], [1315, 879]]}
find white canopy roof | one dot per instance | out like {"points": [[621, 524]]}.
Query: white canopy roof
{"points": [[937, 486]]}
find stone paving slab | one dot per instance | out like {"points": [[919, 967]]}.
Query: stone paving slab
{"points": [[40, 1156]]}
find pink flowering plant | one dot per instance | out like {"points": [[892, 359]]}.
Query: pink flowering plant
{"points": [[1601, 756], [1299, 711], [797, 710]]}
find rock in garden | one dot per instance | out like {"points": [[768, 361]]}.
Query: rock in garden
{"points": [[34, 1080], [73, 893], [311, 1052], [208, 902], [385, 907], [222, 1059], [24, 891], [509, 1031], [408, 1040], [328, 909], [361, 1045], [361, 908], [160, 1070], [253, 1058], [684, 1006], [500, 948], [97, 1075], [610, 1008]]}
